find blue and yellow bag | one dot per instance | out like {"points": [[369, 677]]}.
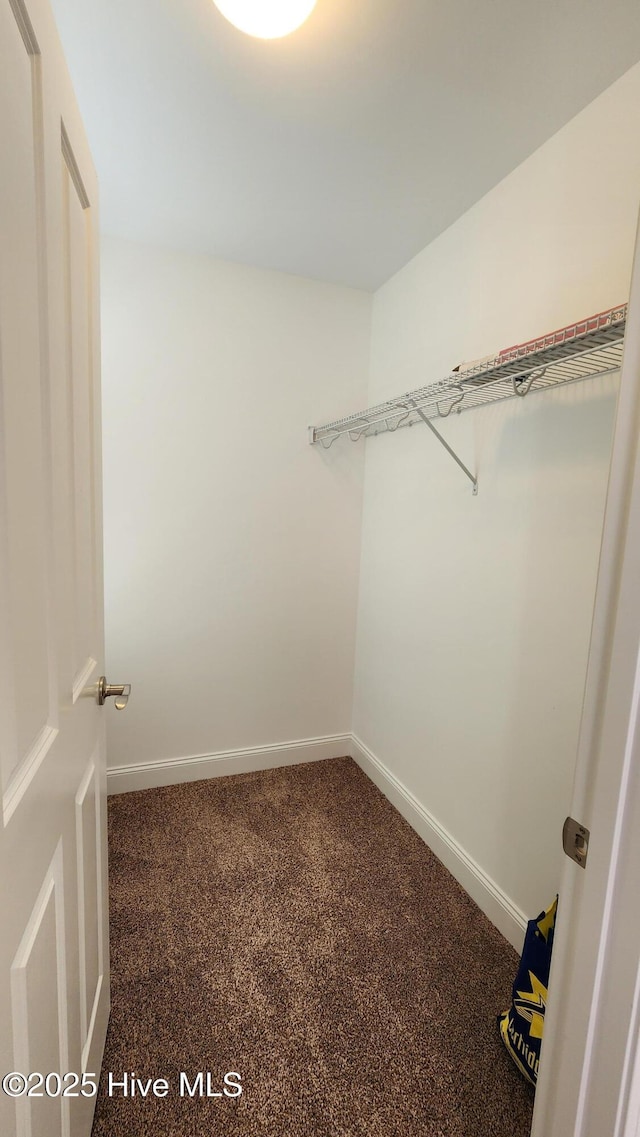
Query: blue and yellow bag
{"points": [[522, 1025]]}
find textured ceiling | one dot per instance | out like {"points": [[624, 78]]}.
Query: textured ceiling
{"points": [[342, 150]]}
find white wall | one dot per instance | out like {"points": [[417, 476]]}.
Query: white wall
{"points": [[232, 548], [231, 545], [474, 613]]}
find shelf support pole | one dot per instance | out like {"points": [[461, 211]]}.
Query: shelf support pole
{"points": [[416, 408]]}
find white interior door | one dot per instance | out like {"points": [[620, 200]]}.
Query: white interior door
{"points": [[53, 938]]}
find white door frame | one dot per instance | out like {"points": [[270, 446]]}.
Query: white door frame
{"points": [[589, 1082]]}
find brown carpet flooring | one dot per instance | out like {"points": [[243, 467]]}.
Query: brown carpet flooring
{"points": [[290, 926]]}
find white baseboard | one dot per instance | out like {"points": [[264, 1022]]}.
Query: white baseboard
{"points": [[489, 897], [170, 771]]}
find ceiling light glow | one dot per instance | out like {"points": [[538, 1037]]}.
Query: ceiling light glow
{"points": [[266, 19]]}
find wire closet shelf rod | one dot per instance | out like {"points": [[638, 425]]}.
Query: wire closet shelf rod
{"points": [[583, 351]]}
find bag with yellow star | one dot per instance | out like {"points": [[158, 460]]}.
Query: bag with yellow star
{"points": [[522, 1025]]}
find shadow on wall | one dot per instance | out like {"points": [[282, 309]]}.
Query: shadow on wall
{"points": [[563, 508], [475, 618]]}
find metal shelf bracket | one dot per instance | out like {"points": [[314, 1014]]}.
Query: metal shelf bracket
{"points": [[412, 405]]}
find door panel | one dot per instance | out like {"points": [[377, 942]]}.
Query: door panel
{"points": [[24, 450], [39, 1011], [89, 861], [79, 274]]}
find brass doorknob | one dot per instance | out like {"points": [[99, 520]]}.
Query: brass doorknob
{"points": [[120, 692]]}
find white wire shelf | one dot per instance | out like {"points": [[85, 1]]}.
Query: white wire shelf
{"points": [[583, 351]]}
